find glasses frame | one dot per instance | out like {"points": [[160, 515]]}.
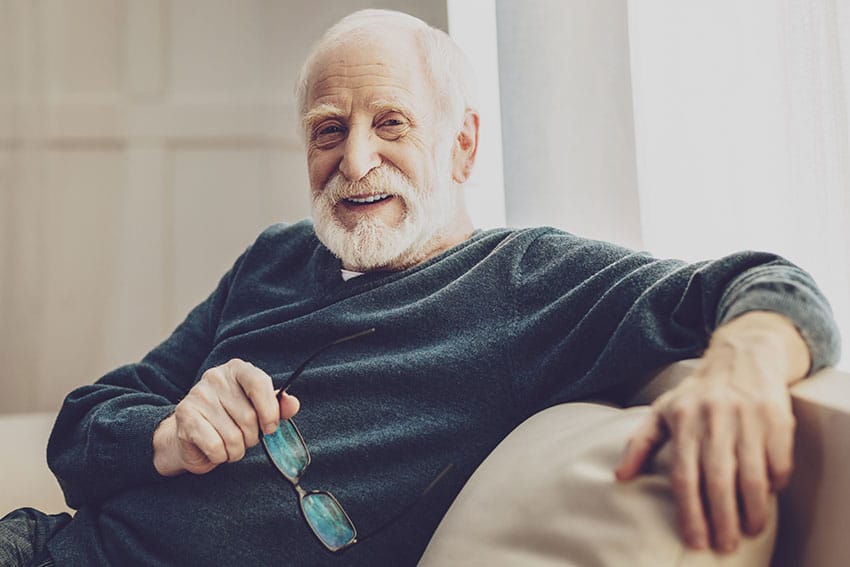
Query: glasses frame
{"points": [[295, 482], [302, 493]]}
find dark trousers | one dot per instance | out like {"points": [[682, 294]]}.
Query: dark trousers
{"points": [[24, 534]]}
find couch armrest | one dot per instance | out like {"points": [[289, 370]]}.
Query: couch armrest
{"points": [[500, 517], [815, 509]]}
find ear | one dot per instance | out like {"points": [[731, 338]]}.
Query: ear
{"points": [[465, 147]]}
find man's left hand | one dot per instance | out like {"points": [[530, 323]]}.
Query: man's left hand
{"points": [[731, 429]]}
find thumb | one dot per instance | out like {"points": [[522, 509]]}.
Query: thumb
{"points": [[289, 405]]}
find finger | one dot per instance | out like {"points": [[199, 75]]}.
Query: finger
{"points": [[650, 435], [685, 480], [258, 389], [780, 448], [220, 400], [753, 484], [231, 435], [197, 433], [719, 467], [289, 405], [241, 413]]}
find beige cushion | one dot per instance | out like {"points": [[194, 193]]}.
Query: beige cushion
{"points": [[25, 479], [547, 496]]}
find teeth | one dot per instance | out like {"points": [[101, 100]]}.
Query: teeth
{"points": [[369, 199]]}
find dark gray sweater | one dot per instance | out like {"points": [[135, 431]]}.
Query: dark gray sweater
{"points": [[467, 345]]}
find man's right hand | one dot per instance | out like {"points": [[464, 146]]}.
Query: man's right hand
{"points": [[219, 419]]}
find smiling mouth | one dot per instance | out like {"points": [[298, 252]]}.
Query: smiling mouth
{"points": [[367, 200]]}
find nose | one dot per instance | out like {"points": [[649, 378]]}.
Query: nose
{"points": [[360, 155]]}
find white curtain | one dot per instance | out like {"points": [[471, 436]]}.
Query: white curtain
{"points": [[567, 128], [688, 128], [741, 124]]}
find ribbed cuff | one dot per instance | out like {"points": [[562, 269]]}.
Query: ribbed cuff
{"points": [[131, 453], [791, 292]]}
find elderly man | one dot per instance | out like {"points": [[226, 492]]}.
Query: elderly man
{"points": [[419, 342]]}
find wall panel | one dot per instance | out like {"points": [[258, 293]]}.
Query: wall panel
{"points": [[81, 233], [221, 190], [216, 48], [83, 42]]}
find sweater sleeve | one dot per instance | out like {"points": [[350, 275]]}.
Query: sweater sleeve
{"points": [[790, 291], [593, 319], [101, 442]]}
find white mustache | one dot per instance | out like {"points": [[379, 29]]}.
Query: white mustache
{"points": [[384, 179]]}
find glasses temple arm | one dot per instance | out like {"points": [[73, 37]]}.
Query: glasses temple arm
{"points": [[410, 506], [316, 353]]}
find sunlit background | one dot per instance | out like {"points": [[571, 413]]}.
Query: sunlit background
{"points": [[145, 143]]}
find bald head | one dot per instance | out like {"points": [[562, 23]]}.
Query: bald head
{"points": [[444, 66]]}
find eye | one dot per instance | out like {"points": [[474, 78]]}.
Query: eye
{"points": [[330, 129], [392, 126], [327, 134]]}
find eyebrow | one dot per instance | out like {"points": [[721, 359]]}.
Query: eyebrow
{"points": [[384, 105], [321, 112]]}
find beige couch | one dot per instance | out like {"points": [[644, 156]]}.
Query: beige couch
{"points": [[546, 496]]}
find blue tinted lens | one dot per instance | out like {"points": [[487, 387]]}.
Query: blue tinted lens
{"points": [[287, 450], [328, 520]]}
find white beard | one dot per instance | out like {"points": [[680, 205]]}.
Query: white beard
{"points": [[372, 244]]}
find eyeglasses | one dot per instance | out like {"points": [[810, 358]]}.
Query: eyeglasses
{"points": [[322, 511]]}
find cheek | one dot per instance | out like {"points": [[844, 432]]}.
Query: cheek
{"points": [[320, 168], [417, 166]]}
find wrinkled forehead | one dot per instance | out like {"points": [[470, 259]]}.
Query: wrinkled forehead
{"points": [[388, 65]]}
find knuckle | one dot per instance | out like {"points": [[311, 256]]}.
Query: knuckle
{"points": [[216, 455], [211, 381], [248, 417], [214, 373], [182, 413], [682, 412], [205, 393], [717, 405], [251, 438], [713, 404], [236, 364], [236, 453], [213, 449], [255, 389], [233, 439]]}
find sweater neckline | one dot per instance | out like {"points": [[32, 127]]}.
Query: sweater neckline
{"points": [[328, 270]]}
